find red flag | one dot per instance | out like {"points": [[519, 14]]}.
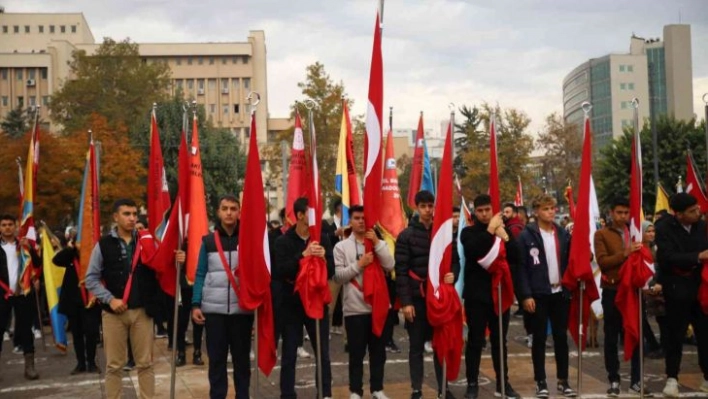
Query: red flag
{"points": [[163, 259], [311, 281], [375, 287], [158, 194], [703, 289], [28, 270], [417, 166], [637, 270], [198, 224], [571, 201], [444, 310], [391, 217], [89, 231], [297, 178], [693, 185], [254, 256], [579, 268], [354, 194], [519, 198]]}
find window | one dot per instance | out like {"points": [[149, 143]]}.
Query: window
{"points": [[212, 108], [32, 101], [190, 84], [4, 101], [201, 60], [235, 80], [247, 132], [224, 84], [200, 84], [226, 109], [623, 86], [63, 28], [27, 29], [178, 61], [41, 28], [212, 84], [43, 73], [20, 101], [189, 61], [4, 29], [246, 83], [3, 73], [18, 73], [211, 60], [233, 60], [223, 60], [73, 28], [245, 59], [622, 68], [51, 28], [45, 100], [178, 82], [31, 73], [630, 68], [236, 110], [630, 86], [16, 29]]}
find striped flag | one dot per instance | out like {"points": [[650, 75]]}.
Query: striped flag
{"points": [[53, 278], [158, 194], [27, 230], [392, 219], [297, 179], [88, 231], [416, 176], [346, 183]]}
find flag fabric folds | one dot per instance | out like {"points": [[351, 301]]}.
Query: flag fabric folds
{"points": [[346, 183], [579, 267], [312, 280], [638, 269], [27, 229], [662, 199], [519, 197], [427, 180], [254, 256], [416, 176], [571, 200], [693, 183], [297, 175], [443, 307], [374, 287], [158, 194], [392, 219], [198, 224], [53, 278], [88, 231]]}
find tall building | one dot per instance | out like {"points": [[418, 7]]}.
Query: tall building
{"points": [[36, 50], [653, 69]]}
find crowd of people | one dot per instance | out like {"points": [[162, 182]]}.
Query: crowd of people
{"points": [[128, 301]]}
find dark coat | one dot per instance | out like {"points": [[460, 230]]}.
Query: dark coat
{"points": [[70, 299], [532, 280], [677, 257]]}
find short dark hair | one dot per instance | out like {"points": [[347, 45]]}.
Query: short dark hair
{"points": [[424, 197], [142, 219], [619, 201], [355, 208], [282, 215], [300, 206], [123, 202], [455, 209], [510, 205], [679, 202], [336, 203], [482, 200], [7, 216], [228, 198]]}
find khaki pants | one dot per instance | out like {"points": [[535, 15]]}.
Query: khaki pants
{"points": [[334, 289], [117, 328]]}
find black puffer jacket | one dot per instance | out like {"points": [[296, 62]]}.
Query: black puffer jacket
{"points": [[412, 253]]}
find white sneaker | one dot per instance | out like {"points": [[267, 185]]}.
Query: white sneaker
{"points": [[37, 334], [17, 350], [529, 341], [378, 395], [252, 355], [704, 386], [302, 353], [6, 336], [355, 396], [336, 330], [671, 389], [428, 347]]}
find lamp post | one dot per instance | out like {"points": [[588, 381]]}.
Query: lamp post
{"points": [[267, 187]]}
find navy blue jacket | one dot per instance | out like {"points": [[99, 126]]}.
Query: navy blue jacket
{"points": [[532, 280]]}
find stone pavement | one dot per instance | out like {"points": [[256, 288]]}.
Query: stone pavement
{"points": [[192, 382]]}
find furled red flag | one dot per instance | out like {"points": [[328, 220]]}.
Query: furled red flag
{"points": [[198, 224], [693, 183], [519, 197], [27, 230], [311, 281], [571, 201], [163, 259], [444, 310], [375, 287], [297, 179], [158, 194], [638, 269], [89, 223], [254, 257], [579, 267], [346, 183], [495, 260], [416, 177], [391, 217], [703, 289]]}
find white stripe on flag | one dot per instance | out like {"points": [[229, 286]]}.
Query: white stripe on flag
{"points": [[491, 255]]}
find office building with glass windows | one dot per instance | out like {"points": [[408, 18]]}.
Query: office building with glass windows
{"points": [[653, 69]]}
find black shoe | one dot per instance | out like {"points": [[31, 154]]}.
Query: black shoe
{"points": [[657, 354], [541, 389], [129, 366], [472, 391], [634, 390], [417, 395], [614, 390], [392, 347], [448, 395], [80, 368], [565, 389], [93, 368], [197, 358], [508, 392], [181, 359]]}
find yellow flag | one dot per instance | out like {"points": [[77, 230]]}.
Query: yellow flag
{"points": [[662, 199]]}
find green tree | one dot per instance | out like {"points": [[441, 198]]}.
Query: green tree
{"points": [[115, 82], [223, 160], [468, 136], [673, 138], [562, 147], [17, 122]]}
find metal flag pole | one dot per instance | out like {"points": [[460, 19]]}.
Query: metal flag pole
{"points": [[640, 293], [253, 100], [309, 104], [502, 374]]}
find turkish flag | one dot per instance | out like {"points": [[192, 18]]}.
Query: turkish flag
{"points": [[693, 185], [297, 175], [158, 194]]}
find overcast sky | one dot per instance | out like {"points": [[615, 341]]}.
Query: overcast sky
{"points": [[513, 52]]}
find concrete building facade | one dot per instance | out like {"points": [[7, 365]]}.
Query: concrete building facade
{"points": [[654, 70]]}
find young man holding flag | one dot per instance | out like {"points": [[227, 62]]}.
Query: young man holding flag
{"points": [[350, 260]]}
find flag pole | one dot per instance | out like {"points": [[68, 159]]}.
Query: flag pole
{"points": [[444, 360], [502, 383], [37, 292], [635, 106], [178, 267]]}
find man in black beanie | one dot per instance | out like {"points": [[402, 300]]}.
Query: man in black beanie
{"points": [[682, 249]]}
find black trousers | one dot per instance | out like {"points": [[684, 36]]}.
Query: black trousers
{"points": [[183, 318], [85, 326], [420, 331], [679, 314], [612, 320], [292, 338], [338, 313], [25, 309], [229, 333], [481, 316], [554, 307], [360, 338]]}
